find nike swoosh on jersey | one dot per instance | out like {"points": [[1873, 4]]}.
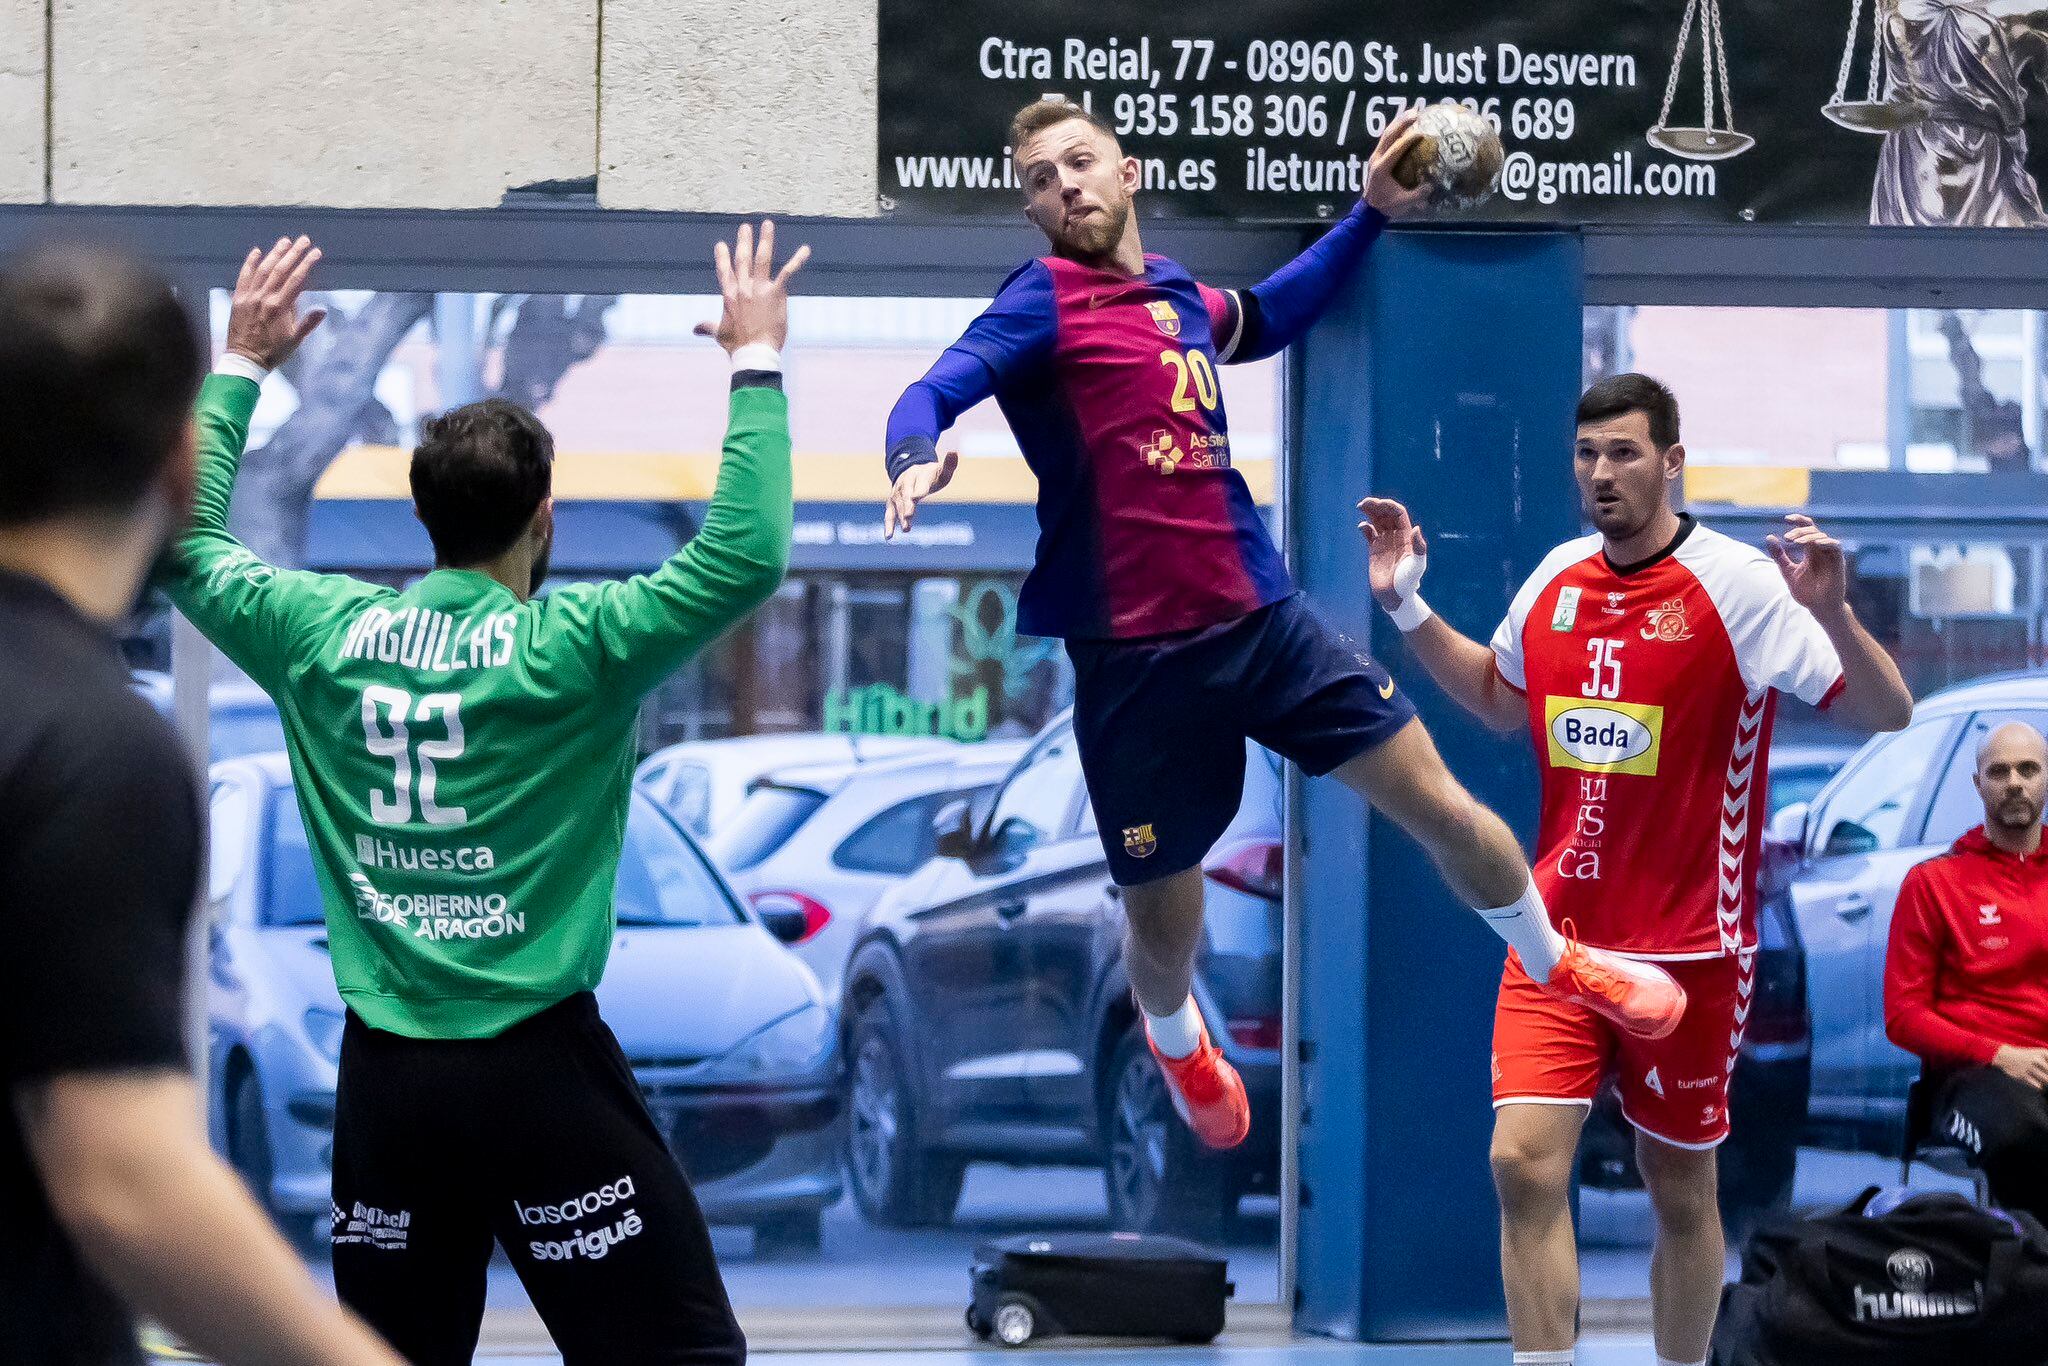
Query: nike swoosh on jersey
{"points": [[1388, 691]]}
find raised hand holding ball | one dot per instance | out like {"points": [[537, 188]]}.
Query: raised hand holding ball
{"points": [[1457, 157]]}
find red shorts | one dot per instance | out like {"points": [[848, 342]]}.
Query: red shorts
{"points": [[1549, 1052]]}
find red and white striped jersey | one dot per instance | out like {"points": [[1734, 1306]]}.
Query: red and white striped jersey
{"points": [[1651, 693]]}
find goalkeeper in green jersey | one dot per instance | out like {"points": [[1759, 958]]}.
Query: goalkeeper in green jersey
{"points": [[463, 756]]}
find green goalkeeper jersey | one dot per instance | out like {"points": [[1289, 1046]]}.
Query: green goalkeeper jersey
{"points": [[463, 759]]}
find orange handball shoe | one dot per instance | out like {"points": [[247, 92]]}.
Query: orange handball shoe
{"points": [[1640, 997], [1207, 1092]]}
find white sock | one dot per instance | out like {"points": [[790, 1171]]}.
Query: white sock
{"points": [[1526, 925], [1178, 1034], [1673, 1361], [1564, 1358]]}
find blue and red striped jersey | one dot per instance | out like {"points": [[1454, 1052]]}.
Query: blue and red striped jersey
{"points": [[1109, 384]]}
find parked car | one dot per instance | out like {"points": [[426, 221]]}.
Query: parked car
{"points": [[702, 782], [987, 1014], [727, 1032], [1902, 799], [1799, 771], [1767, 1098], [243, 718], [820, 842], [1767, 1101]]}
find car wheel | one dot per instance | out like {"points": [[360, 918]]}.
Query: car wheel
{"points": [[1016, 1320], [248, 1135], [797, 1234], [895, 1182], [1157, 1175]]}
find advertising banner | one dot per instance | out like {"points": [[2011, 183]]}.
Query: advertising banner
{"points": [[1890, 112]]}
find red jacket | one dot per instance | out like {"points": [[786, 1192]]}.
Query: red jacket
{"points": [[1967, 969]]}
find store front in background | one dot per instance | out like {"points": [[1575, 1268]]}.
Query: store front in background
{"points": [[912, 637]]}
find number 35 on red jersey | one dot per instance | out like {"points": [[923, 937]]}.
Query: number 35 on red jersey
{"points": [[1651, 694]]}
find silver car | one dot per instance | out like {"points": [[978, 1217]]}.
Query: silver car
{"points": [[1902, 799], [702, 782], [817, 843], [727, 1032]]}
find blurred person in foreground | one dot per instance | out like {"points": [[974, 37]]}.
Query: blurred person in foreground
{"points": [[111, 1202]]}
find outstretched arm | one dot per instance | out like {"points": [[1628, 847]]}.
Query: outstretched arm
{"points": [[644, 628], [1266, 319], [229, 593], [1010, 337]]}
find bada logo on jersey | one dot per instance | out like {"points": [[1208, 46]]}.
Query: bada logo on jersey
{"points": [[1604, 737]]}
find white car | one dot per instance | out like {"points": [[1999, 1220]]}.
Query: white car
{"points": [[823, 841], [702, 782]]}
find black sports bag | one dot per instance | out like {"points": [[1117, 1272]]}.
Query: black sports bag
{"points": [[1937, 1281], [1096, 1285]]}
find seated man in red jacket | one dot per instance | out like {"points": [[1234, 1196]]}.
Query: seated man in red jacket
{"points": [[1966, 977]]}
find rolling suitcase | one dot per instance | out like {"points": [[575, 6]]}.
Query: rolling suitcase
{"points": [[1096, 1285]]}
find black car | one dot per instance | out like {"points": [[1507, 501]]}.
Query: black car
{"points": [[988, 1017]]}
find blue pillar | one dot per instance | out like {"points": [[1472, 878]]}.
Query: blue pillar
{"points": [[1447, 379]]}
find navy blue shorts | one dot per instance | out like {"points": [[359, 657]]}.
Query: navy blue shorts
{"points": [[1161, 725]]}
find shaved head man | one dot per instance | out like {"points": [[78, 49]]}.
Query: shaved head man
{"points": [[2012, 778], [1966, 976]]}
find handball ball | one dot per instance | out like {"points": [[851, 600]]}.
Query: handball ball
{"points": [[1459, 153]]}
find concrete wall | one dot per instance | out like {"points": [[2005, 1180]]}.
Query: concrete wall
{"points": [[732, 106], [23, 81], [707, 105]]}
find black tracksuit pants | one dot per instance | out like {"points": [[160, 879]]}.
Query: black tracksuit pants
{"points": [[2003, 1122], [537, 1139]]}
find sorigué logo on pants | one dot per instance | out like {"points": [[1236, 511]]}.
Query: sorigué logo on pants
{"points": [[1604, 737]]}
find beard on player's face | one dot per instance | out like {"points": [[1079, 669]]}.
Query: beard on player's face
{"points": [[542, 560], [1086, 228], [1074, 189], [2014, 805], [1624, 485]]}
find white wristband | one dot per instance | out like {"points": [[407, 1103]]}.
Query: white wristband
{"points": [[756, 356], [1412, 612], [236, 364]]}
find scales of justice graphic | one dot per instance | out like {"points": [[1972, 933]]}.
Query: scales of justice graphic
{"points": [[1708, 140], [1882, 108]]}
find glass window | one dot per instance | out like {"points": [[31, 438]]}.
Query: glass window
{"points": [[1034, 803], [1868, 810], [920, 637], [238, 729], [764, 823], [291, 894], [1797, 783], [690, 798], [896, 841], [654, 781], [228, 838], [1956, 805], [664, 879]]}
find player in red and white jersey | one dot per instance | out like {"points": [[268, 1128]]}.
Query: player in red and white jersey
{"points": [[1645, 661]]}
